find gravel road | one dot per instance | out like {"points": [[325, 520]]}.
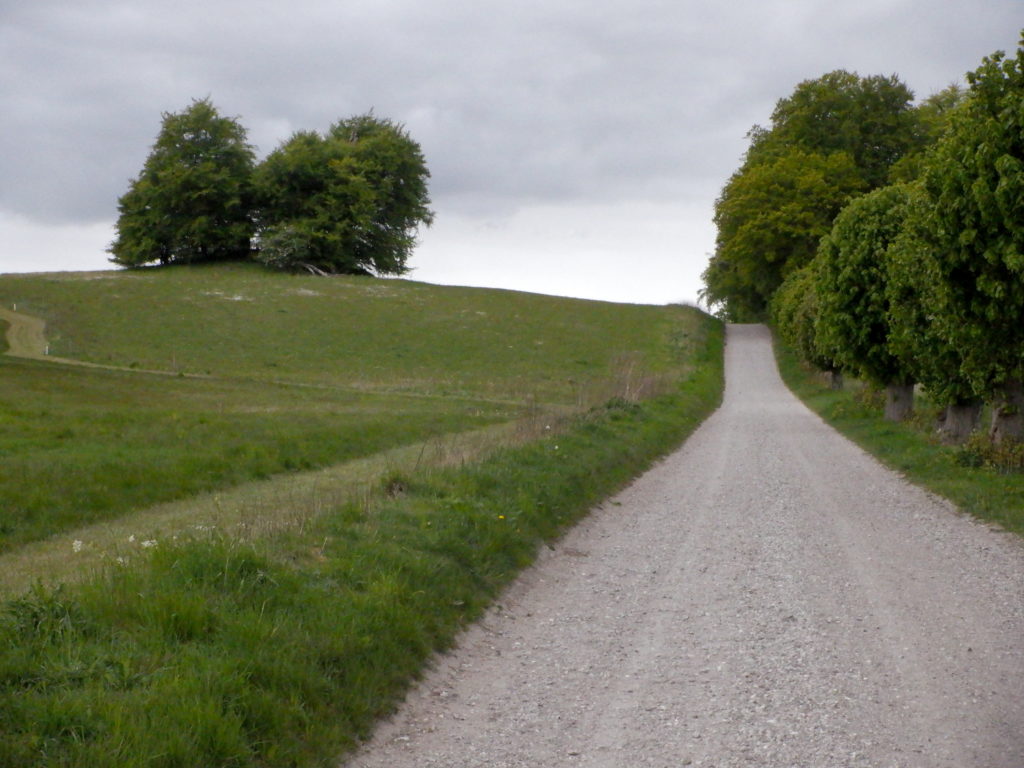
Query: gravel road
{"points": [[766, 596]]}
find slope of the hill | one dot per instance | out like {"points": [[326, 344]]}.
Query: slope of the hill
{"points": [[241, 320], [280, 373]]}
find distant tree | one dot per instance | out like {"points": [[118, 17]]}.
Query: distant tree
{"points": [[192, 201], [975, 182], [350, 201], [851, 269], [872, 119], [394, 167], [833, 138], [770, 218], [314, 204]]}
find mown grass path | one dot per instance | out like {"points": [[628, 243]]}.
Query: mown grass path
{"points": [[26, 335], [280, 504]]}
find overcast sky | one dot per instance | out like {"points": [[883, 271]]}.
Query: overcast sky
{"points": [[576, 146]]}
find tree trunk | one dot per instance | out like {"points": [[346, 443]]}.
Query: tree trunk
{"points": [[835, 379], [899, 401], [959, 420], [1008, 413]]}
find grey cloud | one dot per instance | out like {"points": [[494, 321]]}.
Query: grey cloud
{"points": [[514, 103]]}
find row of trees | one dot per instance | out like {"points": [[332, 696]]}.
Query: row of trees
{"points": [[918, 276], [347, 201]]}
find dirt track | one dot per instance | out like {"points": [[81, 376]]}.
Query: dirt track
{"points": [[25, 334], [768, 596]]}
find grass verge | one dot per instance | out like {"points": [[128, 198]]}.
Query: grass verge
{"points": [[911, 448], [284, 650]]}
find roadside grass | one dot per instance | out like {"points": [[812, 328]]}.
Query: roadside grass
{"points": [[84, 445], [242, 321], [278, 504], [911, 448], [282, 650]]}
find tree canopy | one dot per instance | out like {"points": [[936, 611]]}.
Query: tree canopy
{"points": [[833, 138], [872, 119], [192, 202], [770, 218], [348, 201], [794, 310]]}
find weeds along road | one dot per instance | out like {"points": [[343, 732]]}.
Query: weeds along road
{"points": [[767, 596]]}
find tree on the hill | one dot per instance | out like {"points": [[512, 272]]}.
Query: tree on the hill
{"points": [[313, 205], [192, 201], [349, 201], [916, 300], [975, 181], [851, 270], [394, 167], [770, 218]]}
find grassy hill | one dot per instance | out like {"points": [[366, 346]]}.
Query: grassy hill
{"points": [[395, 335], [278, 373], [280, 643]]}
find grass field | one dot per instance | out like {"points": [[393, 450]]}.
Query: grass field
{"points": [[81, 445], [281, 373], [394, 335], [279, 644], [912, 448]]}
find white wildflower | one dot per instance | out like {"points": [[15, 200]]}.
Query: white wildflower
{"points": [[76, 546], [148, 543], [131, 539]]}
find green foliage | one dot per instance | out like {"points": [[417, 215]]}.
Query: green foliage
{"points": [[852, 275], [192, 201], [869, 118], [832, 139], [975, 182], [794, 312], [916, 300], [933, 116], [284, 652], [770, 218], [347, 202], [393, 165], [980, 451]]}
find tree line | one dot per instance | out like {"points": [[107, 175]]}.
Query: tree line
{"points": [[886, 239], [346, 201]]}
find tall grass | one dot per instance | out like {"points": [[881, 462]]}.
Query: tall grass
{"points": [[912, 448], [282, 651]]}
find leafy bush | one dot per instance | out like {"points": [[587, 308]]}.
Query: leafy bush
{"points": [[980, 451]]}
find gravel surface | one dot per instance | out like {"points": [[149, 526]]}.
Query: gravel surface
{"points": [[768, 595]]}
